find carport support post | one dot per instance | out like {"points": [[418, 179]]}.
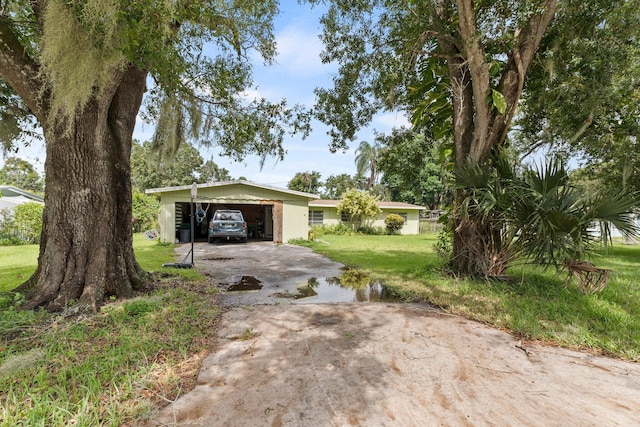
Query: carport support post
{"points": [[194, 193]]}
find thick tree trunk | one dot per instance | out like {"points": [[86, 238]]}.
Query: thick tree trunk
{"points": [[478, 127], [86, 250], [478, 249]]}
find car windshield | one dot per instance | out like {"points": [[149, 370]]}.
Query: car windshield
{"points": [[228, 216]]}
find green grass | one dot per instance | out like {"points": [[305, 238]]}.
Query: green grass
{"points": [[535, 304], [18, 264], [112, 368]]}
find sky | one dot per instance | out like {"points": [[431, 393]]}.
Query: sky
{"points": [[297, 71]]}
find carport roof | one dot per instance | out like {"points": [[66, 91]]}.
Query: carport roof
{"points": [[11, 191], [235, 182]]}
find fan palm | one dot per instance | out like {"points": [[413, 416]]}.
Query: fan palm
{"points": [[538, 216]]}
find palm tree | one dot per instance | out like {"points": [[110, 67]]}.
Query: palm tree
{"points": [[539, 216], [367, 161]]}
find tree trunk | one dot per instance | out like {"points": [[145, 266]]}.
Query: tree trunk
{"points": [[86, 249], [479, 250], [478, 127]]}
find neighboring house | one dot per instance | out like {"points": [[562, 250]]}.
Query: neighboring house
{"points": [[14, 196], [325, 212], [272, 213]]}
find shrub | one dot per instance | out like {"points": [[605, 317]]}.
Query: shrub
{"points": [[21, 225], [358, 206], [6, 227], [371, 230], [341, 229], [394, 223], [145, 212], [444, 245], [28, 220]]}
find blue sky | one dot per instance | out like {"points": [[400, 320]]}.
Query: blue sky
{"points": [[297, 71]]}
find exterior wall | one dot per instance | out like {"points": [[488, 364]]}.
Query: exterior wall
{"points": [[330, 215], [290, 216], [411, 226], [295, 219]]}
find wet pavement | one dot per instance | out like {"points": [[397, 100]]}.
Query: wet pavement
{"points": [[267, 273]]}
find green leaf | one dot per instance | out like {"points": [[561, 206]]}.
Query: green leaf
{"points": [[498, 101]]}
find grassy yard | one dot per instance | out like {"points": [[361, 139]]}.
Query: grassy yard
{"points": [[18, 264], [536, 304], [111, 369]]}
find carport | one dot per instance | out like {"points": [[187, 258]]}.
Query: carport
{"points": [[272, 213]]}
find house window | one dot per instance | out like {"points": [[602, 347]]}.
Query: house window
{"points": [[344, 217], [316, 217]]}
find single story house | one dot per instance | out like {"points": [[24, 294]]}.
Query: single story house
{"points": [[271, 213], [13, 196], [324, 212]]}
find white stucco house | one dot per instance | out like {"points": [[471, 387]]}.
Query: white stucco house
{"points": [[272, 213], [324, 212]]}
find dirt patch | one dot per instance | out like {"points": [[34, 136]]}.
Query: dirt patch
{"points": [[395, 365]]}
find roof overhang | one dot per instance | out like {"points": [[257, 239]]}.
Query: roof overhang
{"points": [[221, 184], [325, 203]]}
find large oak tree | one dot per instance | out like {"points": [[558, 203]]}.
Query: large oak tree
{"points": [[459, 67], [82, 69]]}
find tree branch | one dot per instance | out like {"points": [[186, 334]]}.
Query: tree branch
{"points": [[479, 70], [19, 70], [526, 41]]}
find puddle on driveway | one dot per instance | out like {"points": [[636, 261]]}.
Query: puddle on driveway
{"points": [[352, 286], [246, 283]]}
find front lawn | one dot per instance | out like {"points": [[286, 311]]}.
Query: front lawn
{"points": [[110, 369], [17, 265], [535, 304]]}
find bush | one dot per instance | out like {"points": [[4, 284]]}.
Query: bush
{"points": [[6, 227], [444, 246], [341, 229], [145, 212], [21, 225], [371, 230], [28, 220], [358, 206], [394, 223]]}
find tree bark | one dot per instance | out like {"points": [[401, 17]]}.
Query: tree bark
{"points": [[86, 249]]}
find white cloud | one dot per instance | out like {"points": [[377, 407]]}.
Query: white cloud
{"points": [[299, 52], [392, 120]]}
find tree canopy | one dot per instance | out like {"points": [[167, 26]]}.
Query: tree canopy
{"points": [[308, 182], [196, 54], [22, 174], [412, 169], [367, 156], [149, 170], [336, 185], [83, 71], [460, 69]]}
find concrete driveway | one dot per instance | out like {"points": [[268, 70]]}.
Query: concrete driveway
{"points": [[279, 270]]}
